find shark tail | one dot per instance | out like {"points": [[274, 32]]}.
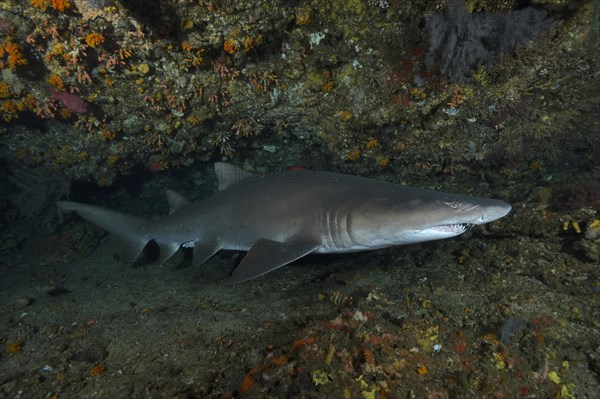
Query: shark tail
{"points": [[125, 227]]}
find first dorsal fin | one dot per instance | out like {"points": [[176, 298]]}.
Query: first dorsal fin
{"points": [[176, 201], [228, 174]]}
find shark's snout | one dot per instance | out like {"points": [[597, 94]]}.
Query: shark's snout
{"points": [[494, 211]]}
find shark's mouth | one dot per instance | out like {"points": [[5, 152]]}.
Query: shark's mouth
{"points": [[450, 228]]}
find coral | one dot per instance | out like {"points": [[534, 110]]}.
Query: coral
{"points": [[383, 162], [5, 90], [328, 86], [39, 4], [98, 370], [112, 160], [94, 39], [56, 81], [231, 46], [192, 58], [354, 155], [246, 127], [9, 110], [14, 347], [373, 143], [29, 102], [303, 16], [263, 81], [457, 97], [250, 42], [12, 52], [61, 5], [319, 377], [344, 115], [460, 41]]}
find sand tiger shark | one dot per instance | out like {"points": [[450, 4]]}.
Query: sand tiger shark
{"points": [[279, 217]]}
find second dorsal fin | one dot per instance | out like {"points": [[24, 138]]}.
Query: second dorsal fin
{"points": [[176, 201]]}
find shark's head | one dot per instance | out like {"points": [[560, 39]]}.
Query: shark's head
{"points": [[451, 216], [426, 216]]}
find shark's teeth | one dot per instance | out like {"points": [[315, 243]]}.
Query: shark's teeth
{"points": [[451, 228]]}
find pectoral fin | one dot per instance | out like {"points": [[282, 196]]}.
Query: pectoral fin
{"points": [[266, 255]]}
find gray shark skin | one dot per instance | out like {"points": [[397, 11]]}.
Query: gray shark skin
{"points": [[282, 216]]}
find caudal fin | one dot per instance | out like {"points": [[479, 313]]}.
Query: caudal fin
{"points": [[124, 226]]}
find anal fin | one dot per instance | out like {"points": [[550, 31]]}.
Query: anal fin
{"points": [[267, 255], [131, 250], [167, 249], [203, 250]]}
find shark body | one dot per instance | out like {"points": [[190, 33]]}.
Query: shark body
{"points": [[282, 216]]}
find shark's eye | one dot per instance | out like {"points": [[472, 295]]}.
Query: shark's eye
{"points": [[453, 204]]}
